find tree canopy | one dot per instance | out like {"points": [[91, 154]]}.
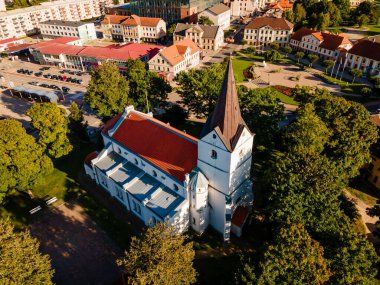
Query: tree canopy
{"points": [[52, 126], [159, 256], [107, 92], [20, 259], [22, 160], [204, 20], [199, 88]]}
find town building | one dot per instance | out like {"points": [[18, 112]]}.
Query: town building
{"points": [[70, 53], [53, 29], [7, 43], [325, 45], [208, 38], [262, 31], [244, 8], [355, 3], [172, 11], [365, 55], [174, 177], [219, 14], [121, 9], [26, 21], [133, 28], [181, 56], [277, 8]]}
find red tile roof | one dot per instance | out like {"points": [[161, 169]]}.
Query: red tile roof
{"points": [[299, 34], [132, 20], [10, 40], [19, 47], [169, 149], [113, 19], [111, 123], [239, 217], [90, 157], [366, 48], [62, 40], [274, 23], [333, 41]]}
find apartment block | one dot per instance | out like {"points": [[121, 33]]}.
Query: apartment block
{"points": [[26, 21], [54, 29]]}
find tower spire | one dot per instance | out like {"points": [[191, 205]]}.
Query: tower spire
{"points": [[226, 118]]}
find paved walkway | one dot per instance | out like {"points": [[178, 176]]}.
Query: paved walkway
{"points": [[81, 252]]}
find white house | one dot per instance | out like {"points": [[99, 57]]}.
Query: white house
{"points": [[133, 28], [219, 14], [266, 30], [55, 29], [365, 55], [162, 174], [326, 45], [243, 8], [181, 56], [206, 37]]}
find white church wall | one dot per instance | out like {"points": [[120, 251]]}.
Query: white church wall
{"points": [[180, 221], [217, 211], [89, 171]]}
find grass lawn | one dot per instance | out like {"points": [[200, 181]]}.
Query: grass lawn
{"points": [[364, 193], [346, 86], [240, 64], [285, 99]]}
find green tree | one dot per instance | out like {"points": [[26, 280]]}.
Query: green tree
{"points": [[52, 126], [275, 46], [146, 89], [175, 115], [288, 15], [272, 56], [293, 258], [299, 55], [204, 20], [22, 161], [355, 74], [76, 120], [299, 13], [323, 22], [362, 20], [286, 49], [199, 88], [160, 256], [344, 7], [333, 11], [20, 260], [328, 63], [262, 112], [107, 92], [312, 58], [170, 31]]}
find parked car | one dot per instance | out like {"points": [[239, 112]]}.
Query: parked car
{"points": [[44, 68], [48, 75], [3, 87], [54, 76], [44, 85], [65, 89], [34, 83], [38, 74]]}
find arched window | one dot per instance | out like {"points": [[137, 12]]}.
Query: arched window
{"points": [[214, 136], [214, 154], [154, 173], [175, 187]]}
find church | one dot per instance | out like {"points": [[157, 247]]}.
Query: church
{"points": [[162, 174]]}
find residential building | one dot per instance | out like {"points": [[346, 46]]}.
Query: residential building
{"points": [[121, 9], [325, 45], [219, 14], [181, 56], [244, 8], [206, 37], [133, 28], [55, 29], [277, 8], [262, 31], [355, 3], [26, 21], [7, 43], [365, 55], [172, 11], [70, 53], [174, 177]]}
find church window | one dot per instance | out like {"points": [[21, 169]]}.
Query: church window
{"points": [[154, 173], [175, 187], [193, 221], [118, 150], [214, 154], [214, 136], [136, 162]]}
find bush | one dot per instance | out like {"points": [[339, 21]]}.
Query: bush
{"points": [[366, 91], [376, 80]]}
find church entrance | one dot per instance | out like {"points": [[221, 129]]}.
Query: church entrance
{"points": [[238, 220]]}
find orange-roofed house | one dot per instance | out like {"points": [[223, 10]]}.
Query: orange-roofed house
{"points": [[159, 173], [324, 44], [181, 56], [133, 28]]}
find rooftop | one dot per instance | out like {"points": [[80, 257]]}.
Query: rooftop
{"points": [[64, 23], [218, 9], [209, 32], [274, 23], [367, 47], [132, 20], [169, 149], [175, 53]]}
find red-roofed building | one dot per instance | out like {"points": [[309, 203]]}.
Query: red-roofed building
{"points": [[160, 173], [7, 43], [63, 53], [133, 28], [324, 44], [180, 56]]}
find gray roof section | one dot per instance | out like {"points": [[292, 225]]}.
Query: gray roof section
{"points": [[218, 9], [64, 23], [110, 161], [163, 201], [125, 173], [143, 187], [209, 32]]}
